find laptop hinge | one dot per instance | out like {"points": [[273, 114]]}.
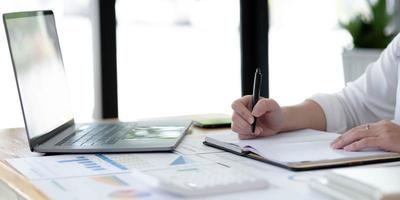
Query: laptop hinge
{"points": [[44, 138]]}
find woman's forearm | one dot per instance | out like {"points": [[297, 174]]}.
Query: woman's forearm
{"points": [[305, 115]]}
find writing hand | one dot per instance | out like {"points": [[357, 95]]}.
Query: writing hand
{"points": [[267, 112]]}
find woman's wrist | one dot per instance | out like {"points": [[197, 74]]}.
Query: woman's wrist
{"points": [[288, 123]]}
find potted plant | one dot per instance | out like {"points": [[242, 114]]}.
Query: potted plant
{"points": [[370, 35]]}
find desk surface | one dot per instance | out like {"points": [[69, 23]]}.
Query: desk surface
{"points": [[14, 144]]}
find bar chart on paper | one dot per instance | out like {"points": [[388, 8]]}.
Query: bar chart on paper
{"points": [[65, 166], [84, 162], [89, 164]]}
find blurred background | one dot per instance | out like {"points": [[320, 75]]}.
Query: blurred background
{"points": [[179, 43]]}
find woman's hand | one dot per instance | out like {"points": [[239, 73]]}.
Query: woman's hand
{"points": [[267, 111], [384, 135]]}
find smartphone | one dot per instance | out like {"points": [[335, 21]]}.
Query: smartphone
{"points": [[212, 121]]}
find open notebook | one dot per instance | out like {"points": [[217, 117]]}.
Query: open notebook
{"points": [[297, 150]]}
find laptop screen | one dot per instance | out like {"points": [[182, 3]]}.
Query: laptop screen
{"points": [[39, 71]]}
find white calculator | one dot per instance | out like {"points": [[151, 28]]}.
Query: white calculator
{"points": [[206, 180]]}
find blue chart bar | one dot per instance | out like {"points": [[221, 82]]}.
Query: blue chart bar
{"points": [[74, 160], [85, 162]]}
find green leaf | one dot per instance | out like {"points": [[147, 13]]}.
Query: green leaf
{"points": [[370, 32]]}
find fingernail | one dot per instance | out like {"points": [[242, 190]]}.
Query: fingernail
{"points": [[251, 120], [336, 143]]}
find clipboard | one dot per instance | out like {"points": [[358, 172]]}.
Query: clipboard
{"points": [[311, 165]]}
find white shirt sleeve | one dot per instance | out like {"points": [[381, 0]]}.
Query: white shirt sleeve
{"points": [[370, 98]]}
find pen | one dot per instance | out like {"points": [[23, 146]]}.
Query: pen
{"points": [[256, 93]]}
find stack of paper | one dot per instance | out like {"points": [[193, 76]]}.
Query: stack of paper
{"points": [[360, 183]]}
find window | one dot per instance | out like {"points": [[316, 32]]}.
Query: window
{"points": [[177, 57], [305, 49]]}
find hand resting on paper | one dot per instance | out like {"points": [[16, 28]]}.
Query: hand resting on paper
{"points": [[384, 135]]}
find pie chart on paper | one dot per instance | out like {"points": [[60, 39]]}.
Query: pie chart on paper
{"points": [[128, 194]]}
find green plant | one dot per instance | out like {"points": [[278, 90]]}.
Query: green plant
{"points": [[371, 31]]}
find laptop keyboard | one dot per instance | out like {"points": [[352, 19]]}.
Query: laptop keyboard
{"points": [[96, 135]]}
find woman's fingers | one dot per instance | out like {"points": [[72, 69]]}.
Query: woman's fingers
{"points": [[263, 106], [353, 135], [239, 122], [240, 107], [368, 142], [245, 133], [336, 140], [243, 117]]}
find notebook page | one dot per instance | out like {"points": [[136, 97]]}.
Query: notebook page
{"points": [[303, 145], [306, 135]]}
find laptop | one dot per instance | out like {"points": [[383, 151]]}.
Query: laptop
{"points": [[44, 97]]}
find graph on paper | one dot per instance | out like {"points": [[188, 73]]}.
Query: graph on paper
{"points": [[150, 161], [84, 162], [65, 166]]}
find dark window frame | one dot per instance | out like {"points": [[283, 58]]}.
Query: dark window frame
{"points": [[108, 57], [254, 23]]}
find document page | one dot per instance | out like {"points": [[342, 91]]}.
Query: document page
{"points": [[302, 146], [111, 176], [62, 166]]}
